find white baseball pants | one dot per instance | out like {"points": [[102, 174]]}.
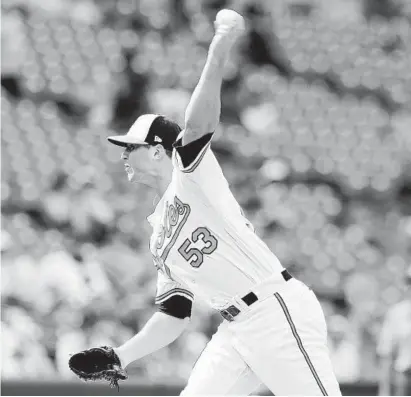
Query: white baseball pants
{"points": [[280, 341]]}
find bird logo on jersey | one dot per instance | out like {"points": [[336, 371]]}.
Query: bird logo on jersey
{"points": [[174, 218]]}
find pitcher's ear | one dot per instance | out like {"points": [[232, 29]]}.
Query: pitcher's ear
{"points": [[158, 152]]}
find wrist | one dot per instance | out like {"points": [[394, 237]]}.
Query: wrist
{"points": [[121, 357]]}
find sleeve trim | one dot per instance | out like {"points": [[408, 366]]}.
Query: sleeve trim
{"points": [[177, 306], [197, 161], [192, 167], [174, 316], [174, 291]]}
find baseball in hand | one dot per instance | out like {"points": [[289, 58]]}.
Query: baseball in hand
{"points": [[230, 18]]}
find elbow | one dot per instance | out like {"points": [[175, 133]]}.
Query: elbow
{"points": [[175, 326], [201, 124], [182, 325], [177, 329], [199, 127], [175, 314], [193, 132]]}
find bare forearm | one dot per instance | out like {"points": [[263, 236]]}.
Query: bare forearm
{"points": [[203, 111], [160, 331]]}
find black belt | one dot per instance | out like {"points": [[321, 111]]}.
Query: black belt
{"points": [[233, 311]]}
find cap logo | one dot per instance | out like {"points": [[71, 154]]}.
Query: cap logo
{"points": [[157, 139]]}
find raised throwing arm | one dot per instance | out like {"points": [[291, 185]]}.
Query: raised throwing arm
{"points": [[203, 111]]}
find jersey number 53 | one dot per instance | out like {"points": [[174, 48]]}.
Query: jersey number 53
{"points": [[195, 256]]}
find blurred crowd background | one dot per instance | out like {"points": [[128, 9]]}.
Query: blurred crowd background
{"points": [[314, 140]]}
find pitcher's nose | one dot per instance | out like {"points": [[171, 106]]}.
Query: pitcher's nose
{"points": [[125, 155]]}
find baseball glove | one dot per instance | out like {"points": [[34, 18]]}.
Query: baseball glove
{"points": [[98, 363]]}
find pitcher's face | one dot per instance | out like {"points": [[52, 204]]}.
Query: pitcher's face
{"points": [[139, 165]]}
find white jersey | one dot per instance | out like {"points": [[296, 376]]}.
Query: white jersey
{"points": [[202, 244]]}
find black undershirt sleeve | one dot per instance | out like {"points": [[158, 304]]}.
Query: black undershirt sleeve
{"points": [[189, 152], [176, 306]]}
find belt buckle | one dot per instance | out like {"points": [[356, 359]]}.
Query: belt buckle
{"points": [[230, 313]]}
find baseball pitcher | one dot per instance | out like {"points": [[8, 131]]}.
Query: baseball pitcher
{"points": [[202, 245]]}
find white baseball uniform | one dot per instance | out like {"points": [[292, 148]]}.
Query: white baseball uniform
{"points": [[203, 246]]}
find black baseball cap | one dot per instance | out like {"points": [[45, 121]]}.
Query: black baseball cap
{"points": [[149, 129]]}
